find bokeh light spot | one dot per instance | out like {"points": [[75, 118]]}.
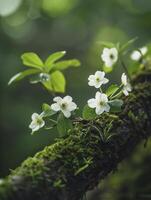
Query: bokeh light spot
{"points": [[58, 7], [8, 7]]}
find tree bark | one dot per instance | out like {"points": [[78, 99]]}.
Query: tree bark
{"points": [[75, 164]]}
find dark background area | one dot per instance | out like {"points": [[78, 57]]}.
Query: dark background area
{"points": [[46, 26]]}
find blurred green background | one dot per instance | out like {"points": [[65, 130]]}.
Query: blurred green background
{"points": [[46, 26]]}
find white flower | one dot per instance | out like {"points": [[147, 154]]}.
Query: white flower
{"points": [[126, 85], [65, 105], [109, 56], [37, 122], [100, 103], [136, 55], [97, 79]]}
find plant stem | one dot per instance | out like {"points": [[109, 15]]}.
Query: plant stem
{"points": [[54, 121], [117, 95]]}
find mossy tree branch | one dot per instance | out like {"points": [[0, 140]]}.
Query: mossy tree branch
{"points": [[72, 166]]}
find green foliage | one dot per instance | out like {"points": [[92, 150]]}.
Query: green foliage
{"points": [[58, 81], [88, 113], [32, 60], [49, 63], [48, 73], [112, 89], [115, 105], [107, 69], [62, 65], [63, 124], [22, 75], [47, 111], [107, 44], [128, 44]]}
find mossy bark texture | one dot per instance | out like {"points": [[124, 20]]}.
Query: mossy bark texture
{"points": [[74, 165]]}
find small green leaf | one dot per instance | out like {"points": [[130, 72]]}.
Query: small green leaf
{"points": [[47, 111], [107, 69], [88, 113], [107, 44], [58, 81], [127, 44], [112, 89], [63, 124], [53, 58], [115, 105], [48, 85], [32, 60], [22, 75], [66, 64]]}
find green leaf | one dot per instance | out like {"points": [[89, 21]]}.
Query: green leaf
{"points": [[88, 113], [107, 44], [58, 81], [47, 111], [66, 64], [32, 60], [107, 69], [127, 44], [53, 58], [112, 89], [22, 75], [115, 105], [63, 124], [48, 85]]}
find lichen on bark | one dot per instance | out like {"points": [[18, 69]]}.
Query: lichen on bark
{"points": [[75, 164]]}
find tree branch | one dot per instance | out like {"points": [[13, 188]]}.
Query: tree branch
{"points": [[74, 165]]}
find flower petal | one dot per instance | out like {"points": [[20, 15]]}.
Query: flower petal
{"points": [[68, 99], [42, 124], [55, 107], [91, 77], [72, 106], [104, 98], [107, 107], [99, 110], [66, 113], [35, 116], [124, 79], [105, 80], [98, 96], [91, 103], [57, 99], [99, 74]]}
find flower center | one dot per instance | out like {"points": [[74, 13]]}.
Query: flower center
{"points": [[63, 106], [39, 121], [97, 79], [102, 103], [112, 56]]}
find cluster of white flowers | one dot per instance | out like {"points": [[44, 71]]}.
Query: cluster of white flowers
{"points": [[137, 54], [64, 105], [101, 102], [109, 56]]}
